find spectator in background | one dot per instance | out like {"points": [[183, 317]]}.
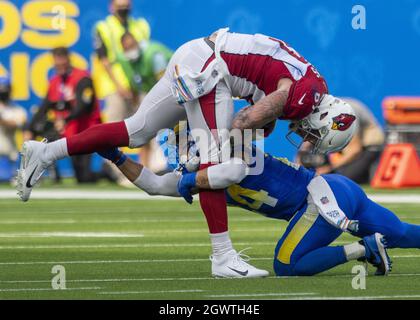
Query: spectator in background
{"points": [[71, 106], [120, 101], [144, 64], [359, 159], [12, 118]]}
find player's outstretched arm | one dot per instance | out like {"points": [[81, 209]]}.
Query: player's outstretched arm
{"points": [[265, 111], [141, 177], [214, 178]]}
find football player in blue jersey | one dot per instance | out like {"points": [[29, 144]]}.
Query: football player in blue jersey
{"points": [[319, 209]]}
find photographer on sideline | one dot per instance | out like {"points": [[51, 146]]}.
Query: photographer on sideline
{"points": [[12, 118]]}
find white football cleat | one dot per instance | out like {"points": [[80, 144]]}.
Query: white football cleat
{"points": [[31, 168], [233, 265]]}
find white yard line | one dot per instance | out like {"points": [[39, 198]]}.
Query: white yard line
{"points": [[150, 292], [47, 289], [268, 294], [406, 296], [111, 261], [24, 263], [179, 279], [138, 195], [134, 245], [85, 195], [158, 232], [121, 221], [395, 198], [64, 234]]}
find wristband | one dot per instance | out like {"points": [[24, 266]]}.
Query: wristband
{"points": [[121, 159]]}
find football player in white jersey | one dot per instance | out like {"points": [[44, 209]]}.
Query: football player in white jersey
{"points": [[200, 81]]}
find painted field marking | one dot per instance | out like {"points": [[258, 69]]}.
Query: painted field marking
{"points": [[407, 296], [139, 195], [64, 234], [268, 294], [150, 292], [112, 261], [183, 279], [47, 289], [121, 221], [17, 263], [134, 245]]}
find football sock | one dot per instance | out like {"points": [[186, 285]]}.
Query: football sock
{"points": [[213, 203], [100, 137], [319, 260], [354, 251], [56, 150], [221, 243]]}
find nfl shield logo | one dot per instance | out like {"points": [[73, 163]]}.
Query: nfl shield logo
{"points": [[324, 200]]}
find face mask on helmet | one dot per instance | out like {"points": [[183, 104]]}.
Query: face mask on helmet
{"points": [[300, 133], [329, 128]]}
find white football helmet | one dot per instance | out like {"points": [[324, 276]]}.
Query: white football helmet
{"points": [[330, 127]]}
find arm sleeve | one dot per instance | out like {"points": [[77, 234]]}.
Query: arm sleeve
{"points": [[85, 99], [323, 197], [153, 184], [99, 46], [227, 173]]}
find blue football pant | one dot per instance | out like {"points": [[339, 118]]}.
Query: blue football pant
{"points": [[304, 249]]}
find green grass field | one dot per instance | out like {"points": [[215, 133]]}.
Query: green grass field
{"points": [[144, 249]]}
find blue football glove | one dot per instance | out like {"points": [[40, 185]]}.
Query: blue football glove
{"points": [[185, 184], [114, 155]]}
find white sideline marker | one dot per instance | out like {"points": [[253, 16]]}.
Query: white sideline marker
{"points": [[139, 195]]}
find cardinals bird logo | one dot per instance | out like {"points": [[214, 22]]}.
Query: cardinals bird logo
{"points": [[343, 121]]}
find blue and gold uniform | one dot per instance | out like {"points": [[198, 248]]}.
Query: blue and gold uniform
{"points": [[304, 249], [278, 192]]}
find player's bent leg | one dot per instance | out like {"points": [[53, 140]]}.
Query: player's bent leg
{"points": [[410, 238], [307, 233], [38, 156], [210, 119], [158, 110], [375, 218], [304, 248]]}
